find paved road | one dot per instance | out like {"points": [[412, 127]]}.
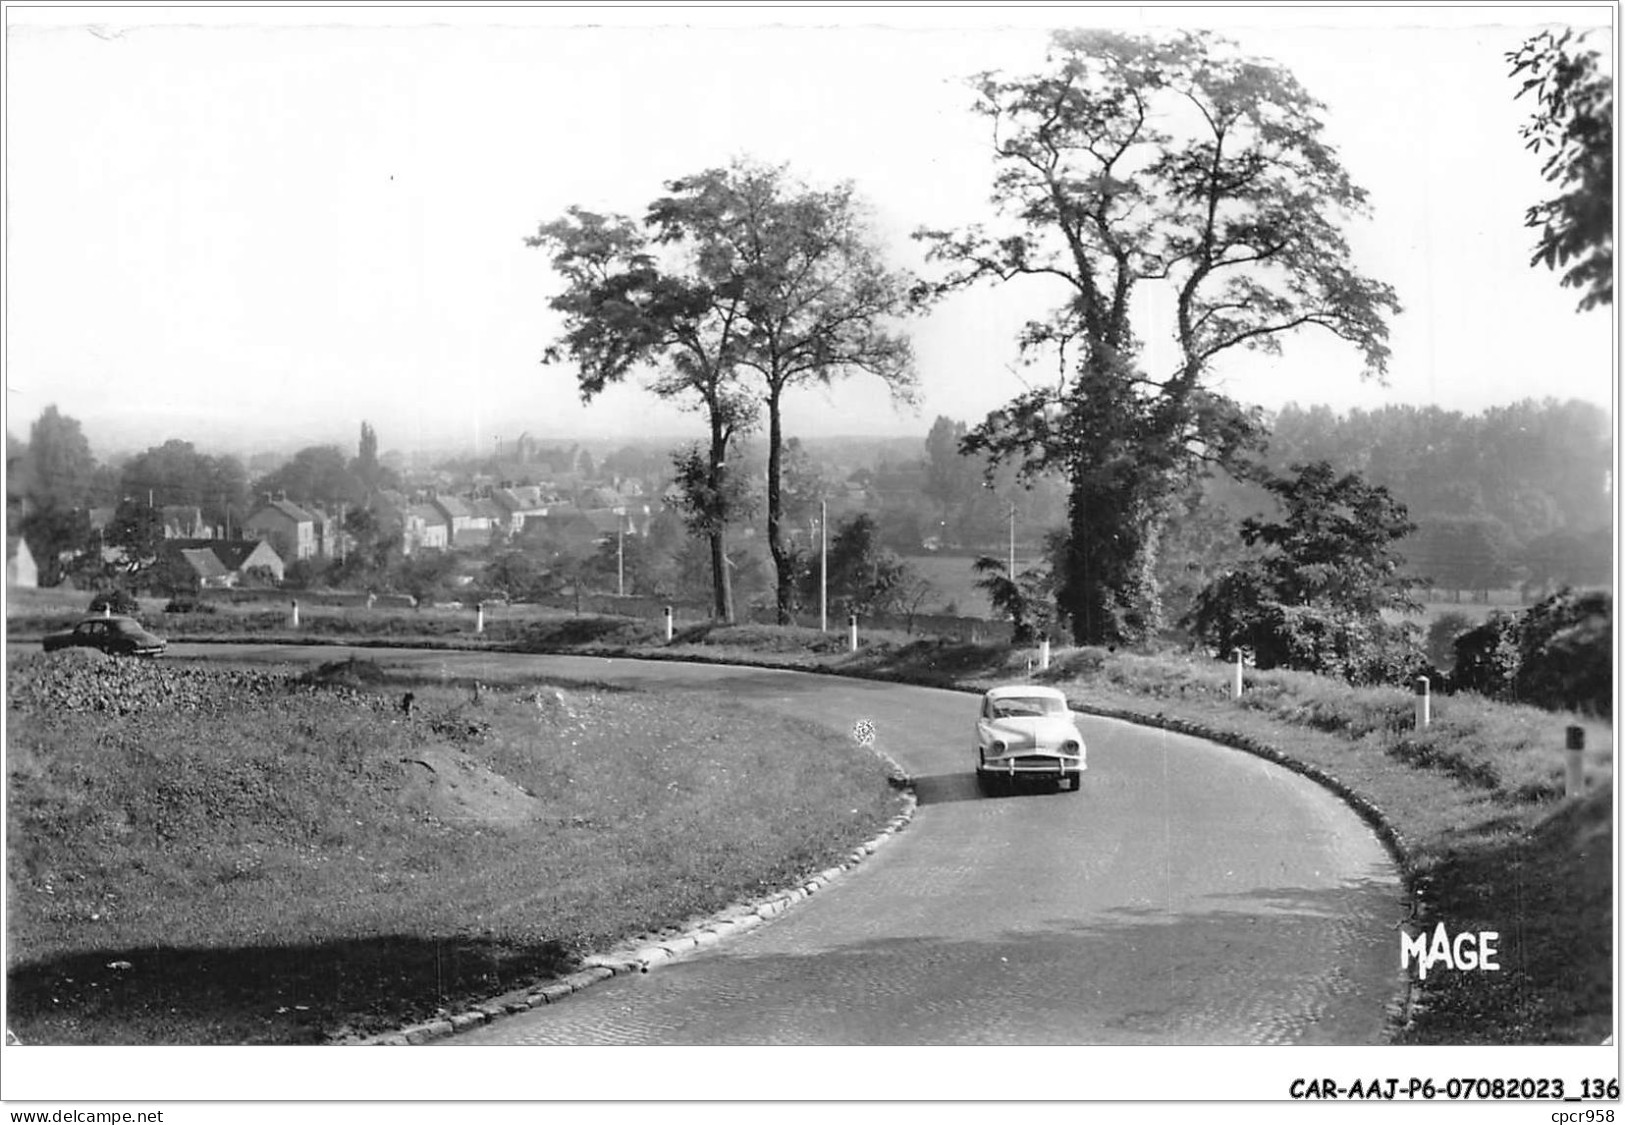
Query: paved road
{"points": [[1189, 894]]}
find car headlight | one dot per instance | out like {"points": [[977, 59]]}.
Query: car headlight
{"points": [[997, 747], [1071, 746]]}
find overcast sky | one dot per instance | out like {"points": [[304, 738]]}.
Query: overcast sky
{"points": [[240, 234]]}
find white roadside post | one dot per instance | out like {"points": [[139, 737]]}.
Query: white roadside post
{"points": [[1043, 654], [853, 619], [1424, 703], [479, 617], [1574, 745], [1235, 686], [668, 623], [293, 617]]}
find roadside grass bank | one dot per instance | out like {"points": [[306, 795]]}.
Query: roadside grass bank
{"points": [[205, 854], [1473, 806]]}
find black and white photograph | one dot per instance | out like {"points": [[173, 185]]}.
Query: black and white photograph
{"points": [[735, 555]]}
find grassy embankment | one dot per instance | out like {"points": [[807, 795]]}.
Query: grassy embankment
{"points": [[1474, 804], [238, 857]]}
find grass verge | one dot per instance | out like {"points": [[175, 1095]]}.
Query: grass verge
{"points": [[406, 863]]}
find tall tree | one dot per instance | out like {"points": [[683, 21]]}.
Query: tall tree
{"points": [[176, 473], [1182, 166], [318, 474], [864, 577], [1573, 126], [368, 470], [817, 297], [952, 479], [629, 302], [55, 477], [61, 466]]}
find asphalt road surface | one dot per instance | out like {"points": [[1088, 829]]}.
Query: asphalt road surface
{"points": [[1190, 894]]}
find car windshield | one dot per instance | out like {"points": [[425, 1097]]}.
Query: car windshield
{"points": [[1023, 706]]}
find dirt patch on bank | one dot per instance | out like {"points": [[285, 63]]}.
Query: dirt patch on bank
{"points": [[444, 783]]}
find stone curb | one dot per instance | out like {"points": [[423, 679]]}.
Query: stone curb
{"points": [[645, 954]]}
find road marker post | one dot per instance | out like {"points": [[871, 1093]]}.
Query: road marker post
{"points": [[479, 617], [293, 617], [1424, 703], [854, 621], [668, 624], [1235, 685], [1574, 746]]}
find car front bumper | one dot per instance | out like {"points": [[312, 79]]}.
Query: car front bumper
{"points": [[1032, 765]]}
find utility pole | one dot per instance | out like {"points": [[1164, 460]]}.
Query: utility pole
{"points": [[823, 566], [1012, 541], [620, 551]]}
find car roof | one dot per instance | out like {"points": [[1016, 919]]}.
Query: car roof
{"points": [[1027, 691]]}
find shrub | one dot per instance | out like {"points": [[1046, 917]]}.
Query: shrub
{"points": [[1487, 656], [116, 600], [190, 605], [1443, 633], [1565, 649]]}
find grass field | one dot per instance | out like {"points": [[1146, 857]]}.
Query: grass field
{"points": [[954, 583], [231, 857]]}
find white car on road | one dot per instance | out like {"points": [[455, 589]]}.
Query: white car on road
{"points": [[1026, 732]]}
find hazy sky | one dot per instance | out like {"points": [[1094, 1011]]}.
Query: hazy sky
{"points": [[232, 230]]}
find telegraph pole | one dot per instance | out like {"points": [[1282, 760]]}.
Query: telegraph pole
{"points": [[1012, 541], [823, 566]]}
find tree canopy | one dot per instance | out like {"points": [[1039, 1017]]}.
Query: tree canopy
{"points": [[1573, 128], [734, 270], [1183, 167], [626, 305]]}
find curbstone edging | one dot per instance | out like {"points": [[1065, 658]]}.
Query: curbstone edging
{"points": [[428, 1032]]}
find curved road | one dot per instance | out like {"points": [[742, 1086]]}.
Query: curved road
{"points": [[1189, 894]]}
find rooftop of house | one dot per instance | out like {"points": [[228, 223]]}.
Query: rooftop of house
{"points": [[205, 562], [285, 508]]}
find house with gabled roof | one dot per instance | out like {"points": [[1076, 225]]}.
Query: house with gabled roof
{"points": [[225, 563], [243, 556], [427, 528], [455, 511], [286, 526], [206, 565]]}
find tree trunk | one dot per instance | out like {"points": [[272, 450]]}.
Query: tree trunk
{"points": [[783, 561], [721, 581], [1109, 590]]}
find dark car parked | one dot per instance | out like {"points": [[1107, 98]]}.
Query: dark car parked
{"points": [[120, 636]]}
